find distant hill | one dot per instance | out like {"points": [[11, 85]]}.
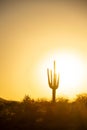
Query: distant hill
{"points": [[3, 100]]}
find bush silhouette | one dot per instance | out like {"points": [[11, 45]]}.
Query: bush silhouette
{"points": [[42, 114]]}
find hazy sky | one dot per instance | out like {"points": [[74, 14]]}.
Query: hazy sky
{"points": [[29, 32]]}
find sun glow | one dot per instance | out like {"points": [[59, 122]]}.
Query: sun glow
{"points": [[71, 70]]}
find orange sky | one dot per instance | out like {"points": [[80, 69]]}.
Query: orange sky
{"points": [[31, 32]]}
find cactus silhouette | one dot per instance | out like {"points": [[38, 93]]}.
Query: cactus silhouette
{"points": [[53, 81]]}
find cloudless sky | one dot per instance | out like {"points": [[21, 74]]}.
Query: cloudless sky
{"points": [[29, 31]]}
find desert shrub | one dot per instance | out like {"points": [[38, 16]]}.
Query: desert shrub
{"points": [[26, 99], [42, 114], [82, 98]]}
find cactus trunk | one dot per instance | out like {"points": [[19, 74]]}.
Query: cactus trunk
{"points": [[53, 95]]}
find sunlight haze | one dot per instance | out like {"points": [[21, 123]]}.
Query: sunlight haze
{"points": [[32, 35]]}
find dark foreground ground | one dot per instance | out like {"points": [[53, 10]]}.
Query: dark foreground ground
{"points": [[44, 115]]}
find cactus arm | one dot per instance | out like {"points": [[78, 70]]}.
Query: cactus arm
{"points": [[51, 78], [48, 76], [49, 81], [57, 84]]}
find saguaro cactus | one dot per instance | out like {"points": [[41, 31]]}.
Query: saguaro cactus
{"points": [[53, 81]]}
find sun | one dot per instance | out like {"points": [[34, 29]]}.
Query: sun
{"points": [[71, 71]]}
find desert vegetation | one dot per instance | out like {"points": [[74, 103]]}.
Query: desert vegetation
{"points": [[41, 114], [53, 81]]}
